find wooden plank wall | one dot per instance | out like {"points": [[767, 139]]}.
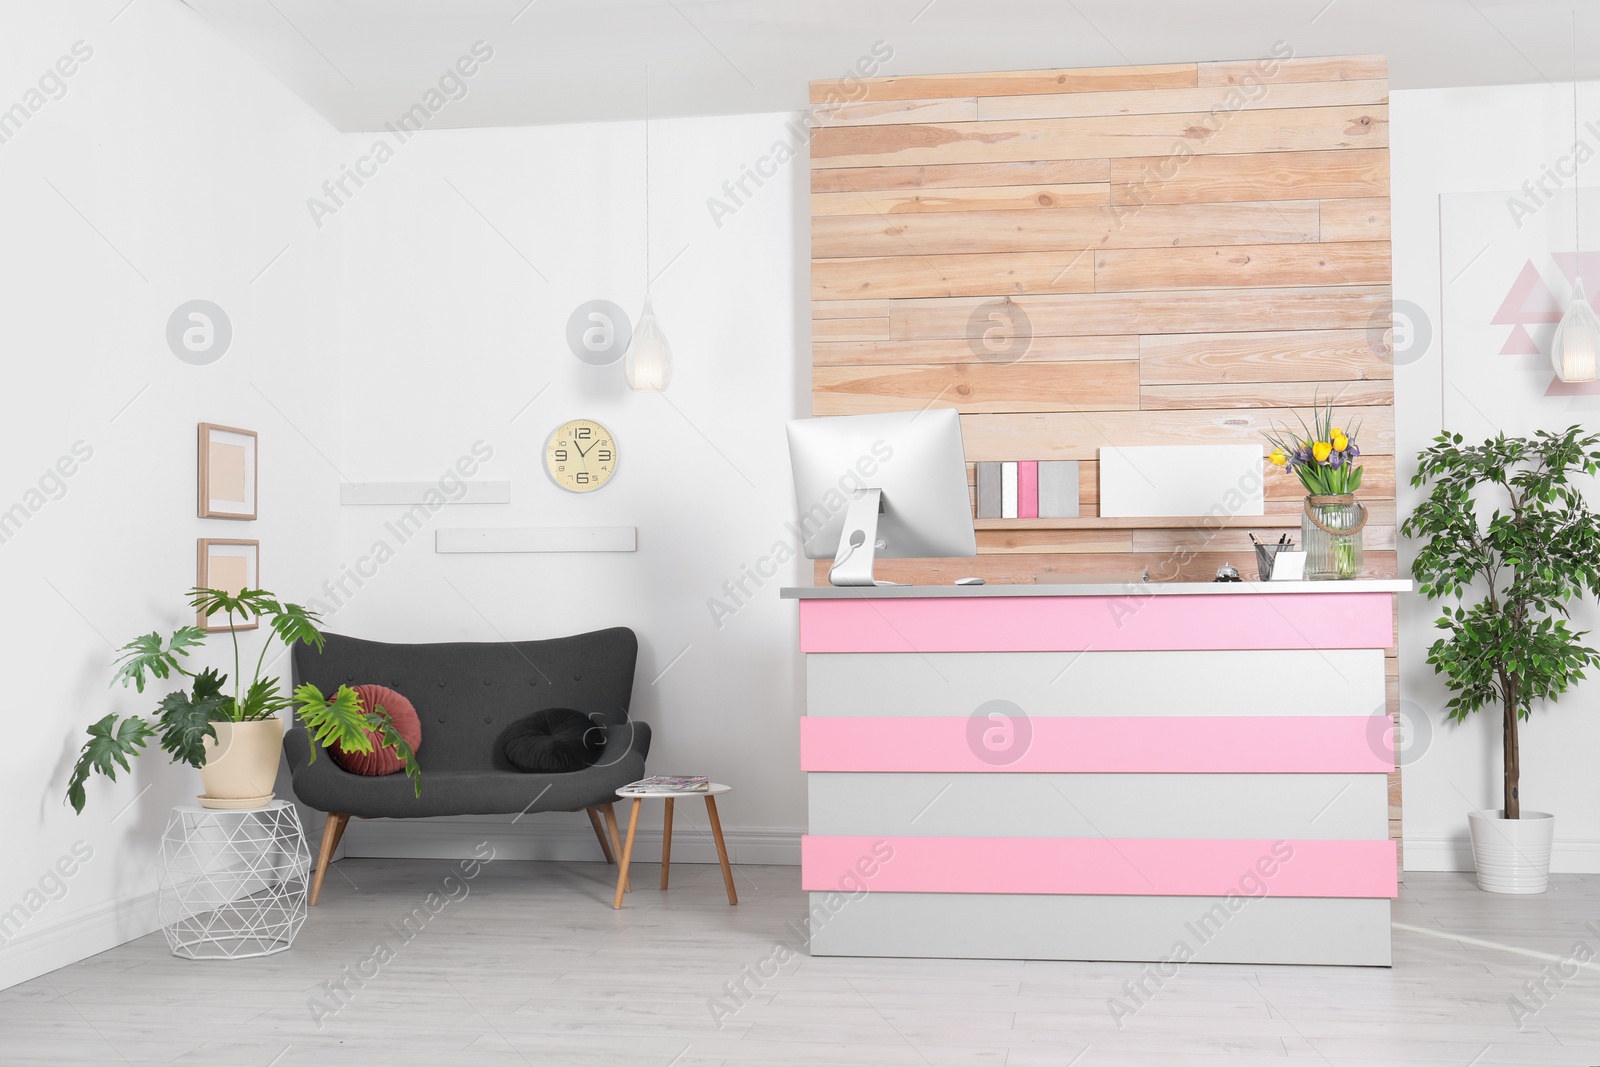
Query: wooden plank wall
{"points": [[1190, 252]]}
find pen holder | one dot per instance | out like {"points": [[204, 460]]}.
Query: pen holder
{"points": [[1266, 555]]}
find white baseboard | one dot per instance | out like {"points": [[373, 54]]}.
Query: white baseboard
{"points": [[53, 942], [568, 840], [1453, 852]]}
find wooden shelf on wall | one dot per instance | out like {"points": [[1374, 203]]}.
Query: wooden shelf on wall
{"points": [[1098, 522]]}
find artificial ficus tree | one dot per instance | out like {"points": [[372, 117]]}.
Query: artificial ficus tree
{"points": [[1506, 533]]}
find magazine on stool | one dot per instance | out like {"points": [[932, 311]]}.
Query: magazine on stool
{"points": [[667, 783]]}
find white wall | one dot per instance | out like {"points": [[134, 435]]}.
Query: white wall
{"points": [[379, 341], [1456, 140], [464, 258], [169, 169]]}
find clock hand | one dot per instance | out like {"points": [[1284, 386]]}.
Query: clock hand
{"points": [[583, 451]]}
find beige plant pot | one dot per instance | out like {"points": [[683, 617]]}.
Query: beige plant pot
{"points": [[241, 764]]}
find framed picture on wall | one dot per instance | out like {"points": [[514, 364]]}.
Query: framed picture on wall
{"points": [[230, 565], [227, 465]]}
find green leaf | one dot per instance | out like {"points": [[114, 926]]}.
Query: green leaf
{"points": [[392, 740], [339, 721], [261, 701], [147, 653], [293, 623], [109, 746], [185, 719], [246, 604]]}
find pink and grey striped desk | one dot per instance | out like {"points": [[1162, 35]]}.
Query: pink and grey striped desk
{"points": [[1159, 772]]}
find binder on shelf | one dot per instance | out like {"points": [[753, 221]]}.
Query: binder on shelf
{"points": [[1058, 489], [1008, 489], [988, 490]]}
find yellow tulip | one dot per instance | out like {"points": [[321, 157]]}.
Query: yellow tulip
{"points": [[1279, 457], [1340, 441], [1321, 450]]}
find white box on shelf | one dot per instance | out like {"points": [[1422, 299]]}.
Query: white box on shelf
{"points": [[1160, 481]]}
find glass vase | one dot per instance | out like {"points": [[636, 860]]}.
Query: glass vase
{"points": [[1330, 529]]}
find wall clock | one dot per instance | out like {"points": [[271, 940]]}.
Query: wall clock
{"points": [[581, 455]]}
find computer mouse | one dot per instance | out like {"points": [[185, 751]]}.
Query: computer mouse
{"points": [[970, 581]]}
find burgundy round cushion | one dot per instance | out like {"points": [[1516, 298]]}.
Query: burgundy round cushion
{"points": [[382, 759]]}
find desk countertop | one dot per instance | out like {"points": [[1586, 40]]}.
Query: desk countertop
{"points": [[1112, 589]]}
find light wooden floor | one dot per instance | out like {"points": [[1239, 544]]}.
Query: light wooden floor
{"points": [[533, 967]]}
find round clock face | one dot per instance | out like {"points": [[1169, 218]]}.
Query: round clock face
{"points": [[581, 455]]}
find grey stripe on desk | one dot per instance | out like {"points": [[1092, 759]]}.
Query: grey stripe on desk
{"points": [[1316, 807], [1045, 927], [1259, 682]]}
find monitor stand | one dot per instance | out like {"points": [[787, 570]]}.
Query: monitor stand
{"points": [[858, 541]]}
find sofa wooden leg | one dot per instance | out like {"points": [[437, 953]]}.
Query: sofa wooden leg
{"points": [[627, 852], [610, 811], [600, 833], [332, 831]]}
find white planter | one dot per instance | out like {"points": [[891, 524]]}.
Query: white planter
{"points": [[241, 764], [1512, 855]]}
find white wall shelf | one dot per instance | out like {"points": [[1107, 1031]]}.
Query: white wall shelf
{"points": [[372, 494], [538, 539]]}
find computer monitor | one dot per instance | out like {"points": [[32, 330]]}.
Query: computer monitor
{"points": [[892, 485]]}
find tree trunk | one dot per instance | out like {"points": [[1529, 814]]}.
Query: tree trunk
{"points": [[1513, 764]]}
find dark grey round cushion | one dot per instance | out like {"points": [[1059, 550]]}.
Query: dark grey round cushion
{"points": [[554, 741]]}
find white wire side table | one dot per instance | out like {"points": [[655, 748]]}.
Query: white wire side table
{"points": [[233, 883]]}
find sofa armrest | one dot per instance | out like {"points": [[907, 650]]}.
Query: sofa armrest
{"points": [[631, 736]]}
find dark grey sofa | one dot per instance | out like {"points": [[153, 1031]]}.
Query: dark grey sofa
{"points": [[467, 694]]}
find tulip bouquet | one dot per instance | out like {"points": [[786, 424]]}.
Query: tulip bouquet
{"points": [[1323, 456]]}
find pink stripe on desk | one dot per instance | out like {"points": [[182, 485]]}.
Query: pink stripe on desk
{"points": [[1028, 489], [1102, 866], [1135, 622], [1122, 744]]}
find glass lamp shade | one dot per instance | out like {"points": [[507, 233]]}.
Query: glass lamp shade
{"points": [[1576, 341], [648, 362]]}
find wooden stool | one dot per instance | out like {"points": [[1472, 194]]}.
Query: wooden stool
{"points": [[638, 799]]}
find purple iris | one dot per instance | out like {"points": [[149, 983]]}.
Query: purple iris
{"points": [[1354, 450], [1336, 460]]}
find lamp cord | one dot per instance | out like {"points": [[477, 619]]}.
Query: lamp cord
{"points": [[1577, 163], [647, 171]]}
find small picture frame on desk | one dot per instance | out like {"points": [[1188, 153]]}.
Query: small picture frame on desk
{"points": [[1288, 566]]}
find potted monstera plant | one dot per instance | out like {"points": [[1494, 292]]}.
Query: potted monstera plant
{"points": [[231, 733], [1506, 534]]}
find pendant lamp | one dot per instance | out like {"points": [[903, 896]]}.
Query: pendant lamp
{"points": [[1577, 338], [1572, 352], [648, 362]]}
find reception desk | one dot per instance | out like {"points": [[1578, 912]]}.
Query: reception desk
{"points": [[1157, 772]]}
